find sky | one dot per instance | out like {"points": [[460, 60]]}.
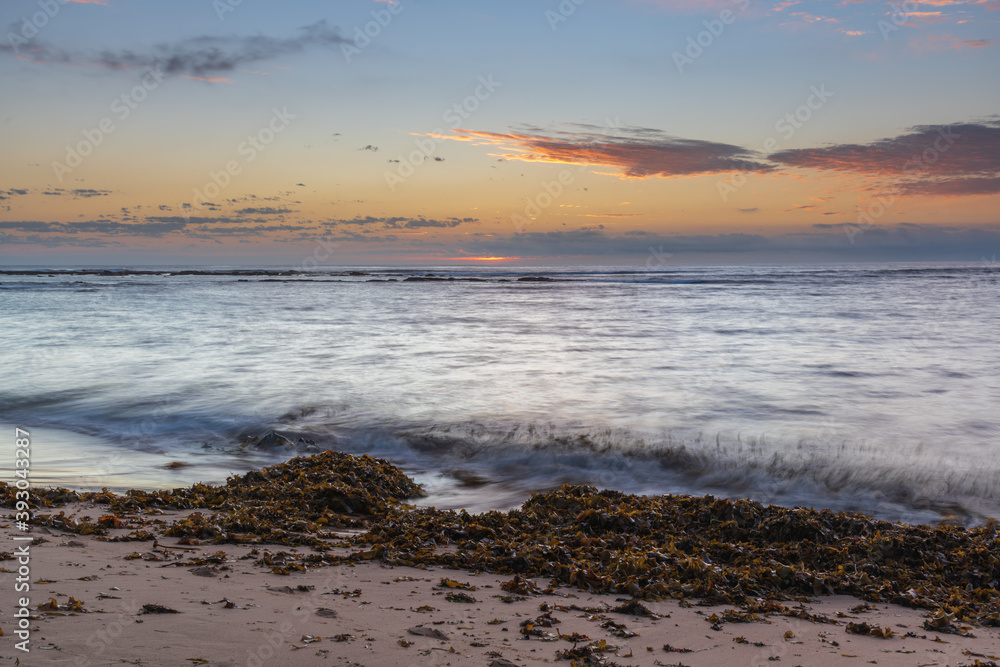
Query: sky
{"points": [[379, 132]]}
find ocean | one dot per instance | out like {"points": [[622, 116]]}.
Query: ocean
{"points": [[871, 388]]}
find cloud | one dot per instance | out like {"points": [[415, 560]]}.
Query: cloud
{"points": [[399, 222], [947, 160], [152, 226], [105, 227], [198, 57], [264, 210], [56, 241], [961, 148], [191, 220], [946, 42], [953, 187], [421, 222], [365, 221], [241, 230], [926, 17], [90, 192], [828, 242], [634, 151]]}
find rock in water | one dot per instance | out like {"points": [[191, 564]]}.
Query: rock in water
{"points": [[271, 440]]}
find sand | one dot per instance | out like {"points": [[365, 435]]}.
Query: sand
{"points": [[237, 613]]}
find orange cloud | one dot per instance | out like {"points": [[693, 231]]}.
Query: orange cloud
{"points": [[635, 152], [782, 6], [927, 17], [812, 18]]}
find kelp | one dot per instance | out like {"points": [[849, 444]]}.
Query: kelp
{"points": [[734, 552], [720, 551], [291, 503], [53, 608], [872, 630]]}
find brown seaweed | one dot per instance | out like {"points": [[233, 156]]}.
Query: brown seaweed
{"points": [[721, 551], [734, 552]]}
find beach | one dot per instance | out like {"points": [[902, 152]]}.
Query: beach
{"points": [[137, 578], [376, 332]]}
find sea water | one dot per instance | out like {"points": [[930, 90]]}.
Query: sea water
{"points": [[871, 388]]}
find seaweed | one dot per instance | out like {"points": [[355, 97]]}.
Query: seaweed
{"points": [[156, 609], [736, 552], [873, 630], [733, 552]]}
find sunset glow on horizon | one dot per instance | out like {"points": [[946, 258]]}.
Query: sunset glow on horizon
{"points": [[723, 130]]}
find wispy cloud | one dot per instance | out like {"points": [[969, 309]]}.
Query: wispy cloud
{"points": [[203, 58], [954, 187], [397, 222], [946, 42], [102, 227], [264, 210], [947, 160], [89, 192], [634, 151]]}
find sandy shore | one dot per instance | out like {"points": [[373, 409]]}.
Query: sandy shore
{"points": [[235, 612]]}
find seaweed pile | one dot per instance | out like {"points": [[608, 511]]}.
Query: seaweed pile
{"points": [[716, 550], [288, 503]]}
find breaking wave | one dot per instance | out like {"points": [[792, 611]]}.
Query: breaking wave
{"points": [[506, 462]]}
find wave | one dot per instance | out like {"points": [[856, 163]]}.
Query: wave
{"points": [[496, 465], [910, 484], [12, 280]]}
